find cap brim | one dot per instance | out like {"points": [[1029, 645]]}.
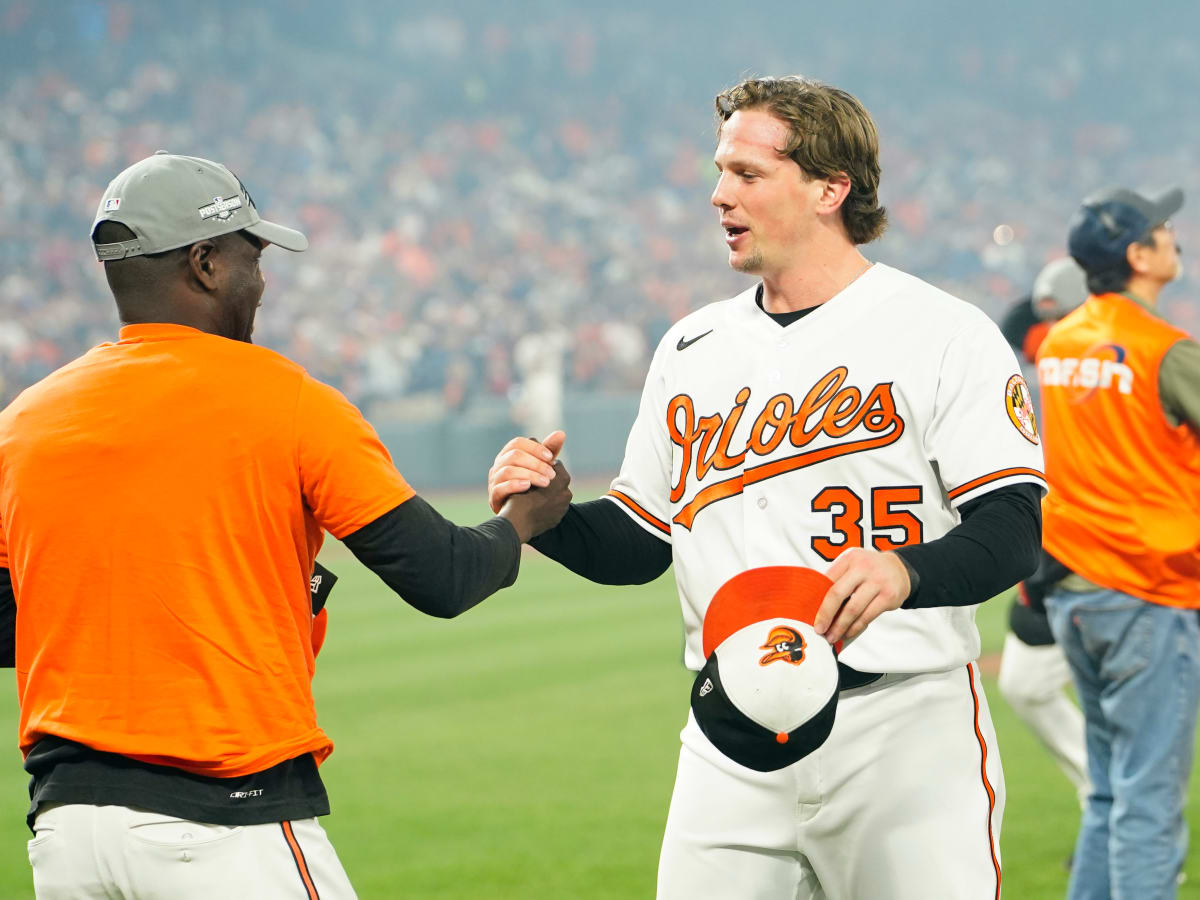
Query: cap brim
{"points": [[1167, 204], [287, 238], [746, 742], [792, 592]]}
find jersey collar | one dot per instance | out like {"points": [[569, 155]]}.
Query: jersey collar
{"points": [[158, 331]]}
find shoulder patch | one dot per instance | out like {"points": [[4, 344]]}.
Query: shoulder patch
{"points": [[1018, 402]]}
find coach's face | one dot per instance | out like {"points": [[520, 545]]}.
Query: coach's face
{"points": [[768, 207], [241, 284]]}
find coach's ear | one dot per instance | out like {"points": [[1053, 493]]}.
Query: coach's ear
{"points": [[834, 191], [202, 265]]}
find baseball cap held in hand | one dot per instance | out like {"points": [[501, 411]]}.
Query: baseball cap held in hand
{"points": [[171, 201], [767, 693], [1110, 220]]}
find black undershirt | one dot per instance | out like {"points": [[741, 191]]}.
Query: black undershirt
{"points": [[996, 544], [783, 319], [63, 771], [440, 568]]}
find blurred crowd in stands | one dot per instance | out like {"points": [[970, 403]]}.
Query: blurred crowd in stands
{"points": [[483, 189]]}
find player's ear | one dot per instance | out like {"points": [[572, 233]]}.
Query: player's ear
{"points": [[835, 190], [203, 263]]}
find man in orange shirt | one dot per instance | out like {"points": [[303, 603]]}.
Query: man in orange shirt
{"points": [[162, 502], [1121, 430]]}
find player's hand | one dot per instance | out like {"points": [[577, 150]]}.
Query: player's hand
{"points": [[522, 464], [539, 509], [866, 583]]}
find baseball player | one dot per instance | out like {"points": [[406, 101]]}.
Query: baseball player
{"points": [[841, 415], [1033, 670], [162, 502]]}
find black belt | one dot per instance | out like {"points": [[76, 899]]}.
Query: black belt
{"points": [[849, 678]]}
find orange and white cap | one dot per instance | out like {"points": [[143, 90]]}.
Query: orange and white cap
{"points": [[766, 696]]}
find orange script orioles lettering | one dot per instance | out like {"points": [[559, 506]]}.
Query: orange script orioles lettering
{"points": [[830, 408]]}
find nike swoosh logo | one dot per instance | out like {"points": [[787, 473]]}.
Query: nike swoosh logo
{"points": [[684, 343]]}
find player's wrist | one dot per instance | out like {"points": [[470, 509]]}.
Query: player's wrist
{"points": [[913, 577], [518, 518]]}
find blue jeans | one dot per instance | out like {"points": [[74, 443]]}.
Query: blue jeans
{"points": [[1137, 669]]}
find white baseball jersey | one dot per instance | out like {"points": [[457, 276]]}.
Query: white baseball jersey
{"points": [[867, 423]]}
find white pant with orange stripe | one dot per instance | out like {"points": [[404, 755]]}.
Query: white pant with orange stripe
{"points": [[80, 852], [902, 802]]}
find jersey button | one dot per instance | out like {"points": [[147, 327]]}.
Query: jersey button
{"points": [[762, 502]]}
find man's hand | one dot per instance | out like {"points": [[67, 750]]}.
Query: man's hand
{"points": [[522, 464], [539, 509], [866, 583]]}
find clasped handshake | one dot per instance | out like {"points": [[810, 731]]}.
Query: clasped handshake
{"points": [[529, 486]]}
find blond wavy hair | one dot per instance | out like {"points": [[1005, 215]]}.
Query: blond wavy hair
{"points": [[829, 132]]}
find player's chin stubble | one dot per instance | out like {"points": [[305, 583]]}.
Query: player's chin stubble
{"points": [[751, 264]]}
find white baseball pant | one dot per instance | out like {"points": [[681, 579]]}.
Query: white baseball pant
{"points": [[1033, 680], [80, 852], [902, 802]]}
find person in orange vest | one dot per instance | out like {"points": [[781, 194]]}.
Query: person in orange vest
{"points": [[1033, 671], [1121, 430]]}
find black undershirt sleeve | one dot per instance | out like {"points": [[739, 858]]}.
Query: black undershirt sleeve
{"points": [[600, 542], [438, 567], [997, 544], [8, 621]]}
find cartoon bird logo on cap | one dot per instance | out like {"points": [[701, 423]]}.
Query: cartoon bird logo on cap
{"points": [[786, 645]]}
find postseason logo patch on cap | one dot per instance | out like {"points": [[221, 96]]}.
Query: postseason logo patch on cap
{"points": [[221, 208]]}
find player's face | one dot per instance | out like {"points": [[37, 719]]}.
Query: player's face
{"points": [[243, 285], [767, 205]]}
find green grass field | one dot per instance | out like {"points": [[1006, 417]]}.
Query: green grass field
{"points": [[527, 750]]}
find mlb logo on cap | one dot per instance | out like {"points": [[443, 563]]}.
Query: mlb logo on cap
{"points": [[767, 694]]}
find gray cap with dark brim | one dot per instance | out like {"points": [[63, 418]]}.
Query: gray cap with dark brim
{"points": [[171, 201], [1110, 220]]}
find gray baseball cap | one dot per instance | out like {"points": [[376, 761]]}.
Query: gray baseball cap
{"points": [[171, 201], [1059, 288]]}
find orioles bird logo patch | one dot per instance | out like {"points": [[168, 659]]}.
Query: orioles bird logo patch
{"points": [[786, 645], [1019, 403]]}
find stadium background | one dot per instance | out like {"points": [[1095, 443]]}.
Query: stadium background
{"points": [[502, 197]]}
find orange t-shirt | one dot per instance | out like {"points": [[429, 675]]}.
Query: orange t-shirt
{"points": [[1123, 509], [162, 500]]}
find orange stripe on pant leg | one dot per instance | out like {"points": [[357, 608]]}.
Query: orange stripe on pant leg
{"points": [[987, 785], [300, 861]]}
